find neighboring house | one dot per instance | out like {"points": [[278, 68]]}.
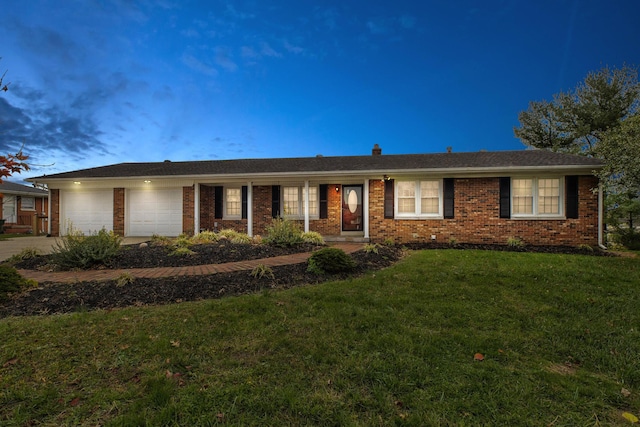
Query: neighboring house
{"points": [[540, 197], [24, 208]]}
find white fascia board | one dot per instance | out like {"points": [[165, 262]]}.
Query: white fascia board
{"points": [[257, 178]]}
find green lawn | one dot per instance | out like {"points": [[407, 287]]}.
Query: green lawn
{"points": [[560, 336]]}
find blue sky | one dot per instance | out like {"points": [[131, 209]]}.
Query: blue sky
{"points": [[100, 82]]}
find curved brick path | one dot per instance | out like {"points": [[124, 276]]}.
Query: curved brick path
{"points": [[195, 270]]}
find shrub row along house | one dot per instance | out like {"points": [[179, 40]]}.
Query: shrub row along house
{"points": [[539, 197]]}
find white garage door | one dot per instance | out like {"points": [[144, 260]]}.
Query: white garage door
{"points": [[155, 211], [86, 210]]}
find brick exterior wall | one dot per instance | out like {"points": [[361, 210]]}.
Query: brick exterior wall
{"points": [[55, 213], [476, 216], [188, 209], [118, 211], [477, 219]]}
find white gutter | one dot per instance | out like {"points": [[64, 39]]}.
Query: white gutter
{"points": [[464, 172]]}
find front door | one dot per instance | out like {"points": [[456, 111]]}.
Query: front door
{"points": [[352, 208]]}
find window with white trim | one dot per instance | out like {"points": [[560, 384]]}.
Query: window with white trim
{"points": [[233, 202], [28, 203], [536, 197], [419, 198], [293, 199]]}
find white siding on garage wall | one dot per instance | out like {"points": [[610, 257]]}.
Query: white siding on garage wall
{"points": [[86, 210], [154, 211]]}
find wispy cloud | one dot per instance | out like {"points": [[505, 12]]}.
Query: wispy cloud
{"points": [[224, 60], [199, 66], [267, 50]]}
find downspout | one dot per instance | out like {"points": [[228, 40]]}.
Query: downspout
{"points": [[600, 217]]}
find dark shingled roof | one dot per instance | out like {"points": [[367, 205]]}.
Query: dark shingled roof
{"points": [[342, 164], [8, 187]]}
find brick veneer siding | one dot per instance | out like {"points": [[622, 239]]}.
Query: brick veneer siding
{"points": [[188, 209], [262, 212], [477, 219], [55, 213], [118, 211]]}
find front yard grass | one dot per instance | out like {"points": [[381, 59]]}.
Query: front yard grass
{"points": [[559, 336]]}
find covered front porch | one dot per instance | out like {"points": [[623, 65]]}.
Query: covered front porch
{"points": [[337, 210]]}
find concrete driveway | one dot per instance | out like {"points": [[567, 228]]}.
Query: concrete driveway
{"points": [[44, 244]]}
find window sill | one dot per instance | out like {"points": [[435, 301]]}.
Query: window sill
{"points": [[539, 217], [416, 217]]}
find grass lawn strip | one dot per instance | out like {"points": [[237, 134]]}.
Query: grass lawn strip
{"points": [[559, 334]]}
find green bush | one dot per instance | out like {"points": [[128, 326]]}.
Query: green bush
{"points": [[283, 232], [75, 250], [26, 253], [330, 260], [235, 237], [629, 238], [313, 237], [205, 237], [11, 281], [260, 271]]}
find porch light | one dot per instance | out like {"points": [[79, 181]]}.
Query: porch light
{"points": [[77, 182], [337, 188], [147, 181]]}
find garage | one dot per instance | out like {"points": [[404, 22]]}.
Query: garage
{"points": [[154, 211], [86, 210]]}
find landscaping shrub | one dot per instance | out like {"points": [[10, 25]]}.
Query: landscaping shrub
{"points": [[628, 237], [205, 237], [158, 240], [75, 250], [10, 281], [313, 237], [282, 232], [372, 248], [235, 237], [25, 254], [260, 271], [330, 260]]}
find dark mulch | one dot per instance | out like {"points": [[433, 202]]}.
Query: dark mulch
{"points": [[70, 297], [137, 256], [571, 250], [64, 298]]}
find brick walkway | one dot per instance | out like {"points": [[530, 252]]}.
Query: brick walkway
{"points": [[195, 270]]}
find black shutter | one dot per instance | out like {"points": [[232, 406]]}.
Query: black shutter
{"points": [[388, 198], [505, 197], [275, 201], [572, 196], [217, 202], [448, 197], [245, 192], [324, 204]]}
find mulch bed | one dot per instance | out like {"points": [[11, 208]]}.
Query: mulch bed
{"points": [[70, 297], [54, 298]]}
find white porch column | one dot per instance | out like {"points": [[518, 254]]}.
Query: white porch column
{"points": [[365, 208], [196, 209], [49, 210], [250, 208], [306, 206]]}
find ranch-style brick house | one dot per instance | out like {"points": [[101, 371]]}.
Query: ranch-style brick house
{"points": [[539, 197]]}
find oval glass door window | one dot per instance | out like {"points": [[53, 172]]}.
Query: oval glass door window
{"points": [[352, 201]]}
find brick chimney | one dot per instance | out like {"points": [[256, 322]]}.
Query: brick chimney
{"points": [[376, 150]]}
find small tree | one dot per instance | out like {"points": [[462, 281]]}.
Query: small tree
{"points": [[599, 118], [11, 163]]}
